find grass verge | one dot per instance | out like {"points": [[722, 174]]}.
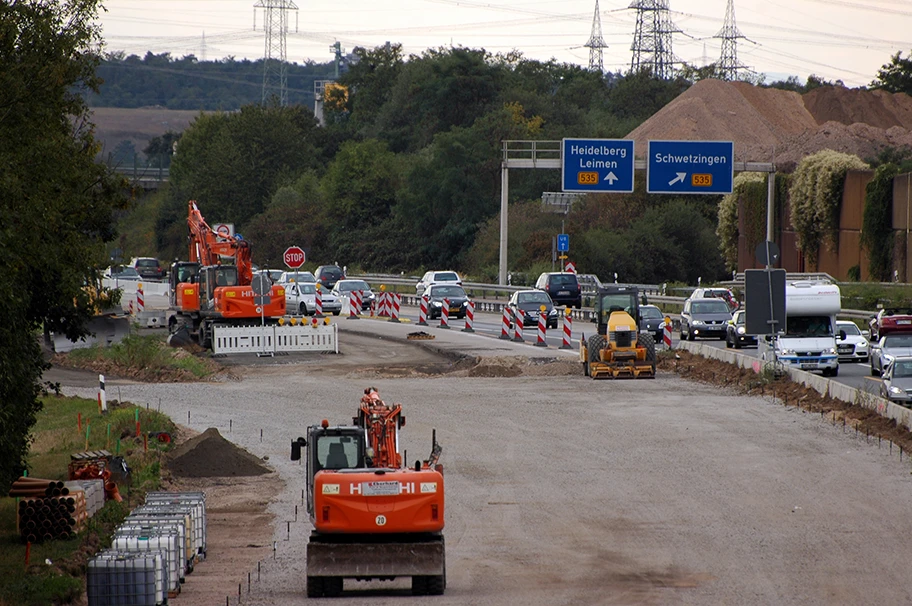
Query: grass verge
{"points": [[55, 571]]}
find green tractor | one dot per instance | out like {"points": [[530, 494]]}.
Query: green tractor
{"points": [[618, 349]]}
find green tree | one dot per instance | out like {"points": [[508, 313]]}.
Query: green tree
{"points": [[232, 164], [895, 76], [160, 149], [57, 202], [640, 94]]}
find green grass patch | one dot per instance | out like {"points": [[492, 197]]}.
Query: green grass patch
{"points": [[66, 426], [143, 357]]}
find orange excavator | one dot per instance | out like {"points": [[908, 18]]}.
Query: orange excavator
{"points": [[372, 518], [216, 285]]}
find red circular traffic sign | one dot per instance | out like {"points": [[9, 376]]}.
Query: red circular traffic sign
{"points": [[294, 257]]}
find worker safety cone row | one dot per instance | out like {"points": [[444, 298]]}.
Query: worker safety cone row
{"points": [[423, 311], [318, 304], [666, 334], [140, 299], [396, 303], [445, 314], [505, 323], [470, 317], [568, 329], [542, 327]]}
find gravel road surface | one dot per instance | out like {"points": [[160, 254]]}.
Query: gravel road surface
{"points": [[564, 490]]}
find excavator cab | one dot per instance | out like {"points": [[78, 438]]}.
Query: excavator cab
{"points": [[329, 448], [182, 280]]}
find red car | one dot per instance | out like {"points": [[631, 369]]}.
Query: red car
{"points": [[890, 320]]}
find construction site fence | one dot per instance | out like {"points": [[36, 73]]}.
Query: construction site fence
{"points": [[275, 338]]}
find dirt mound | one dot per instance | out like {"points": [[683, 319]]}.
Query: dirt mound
{"points": [[769, 124], [211, 455]]}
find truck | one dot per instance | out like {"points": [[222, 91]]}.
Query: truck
{"points": [[373, 517], [215, 287], [808, 340]]}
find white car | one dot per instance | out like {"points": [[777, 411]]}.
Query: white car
{"points": [[437, 277], [856, 347], [301, 299], [296, 276]]}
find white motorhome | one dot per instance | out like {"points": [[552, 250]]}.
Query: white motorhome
{"points": [[809, 339]]}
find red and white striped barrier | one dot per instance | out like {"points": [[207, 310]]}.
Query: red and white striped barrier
{"points": [[666, 334], [354, 306], [423, 311], [102, 396], [318, 301], [505, 323], [140, 299], [132, 311], [518, 326], [470, 317], [542, 327], [445, 314], [568, 329], [383, 310], [395, 305]]}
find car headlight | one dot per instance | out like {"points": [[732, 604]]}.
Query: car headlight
{"points": [[863, 343], [740, 330], [697, 322], [553, 312], [465, 303], [830, 350], [787, 352], [436, 304], [896, 391]]}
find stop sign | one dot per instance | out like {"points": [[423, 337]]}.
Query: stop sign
{"points": [[294, 257]]}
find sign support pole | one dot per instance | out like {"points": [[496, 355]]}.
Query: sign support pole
{"points": [[504, 197]]}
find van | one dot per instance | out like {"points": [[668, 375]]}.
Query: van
{"points": [[563, 287]]}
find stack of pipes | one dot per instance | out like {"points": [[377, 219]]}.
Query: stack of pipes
{"points": [[47, 510]]}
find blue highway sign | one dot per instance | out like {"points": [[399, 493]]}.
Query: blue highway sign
{"points": [[563, 242], [597, 165], [690, 167]]}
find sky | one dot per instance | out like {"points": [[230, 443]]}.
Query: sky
{"points": [[847, 40]]}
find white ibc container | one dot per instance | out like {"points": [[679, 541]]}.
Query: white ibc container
{"points": [[126, 579], [197, 531], [166, 545], [94, 493], [196, 499], [182, 521], [155, 528]]}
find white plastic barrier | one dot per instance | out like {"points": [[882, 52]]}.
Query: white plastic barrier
{"points": [[274, 338]]}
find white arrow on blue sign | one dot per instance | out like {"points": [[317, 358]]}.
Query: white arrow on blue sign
{"points": [[597, 165], [563, 242], [690, 167]]}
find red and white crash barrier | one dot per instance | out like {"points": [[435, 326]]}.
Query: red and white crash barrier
{"points": [[395, 305], [518, 326], [383, 308], [505, 323], [131, 310], [470, 317], [666, 334], [140, 299], [318, 304], [445, 314], [542, 327], [423, 311], [354, 306], [568, 329]]}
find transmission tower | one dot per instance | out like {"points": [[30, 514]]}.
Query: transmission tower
{"points": [[203, 48], [275, 68], [728, 64], [652, 39], [596, 43]]}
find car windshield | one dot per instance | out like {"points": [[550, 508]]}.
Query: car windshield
{"points": [[447, 291], [898, 341], [298, 276], [709, 307], [902, 368], [446, 276], [808, 326], [124, 272], [307, 288], [563, 280], [850, 328], [533, 297], [351, 285], [147, 263], [331, 272], [651, 313]]}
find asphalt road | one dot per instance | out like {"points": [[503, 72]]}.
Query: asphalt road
{"points": [[564, 490]]}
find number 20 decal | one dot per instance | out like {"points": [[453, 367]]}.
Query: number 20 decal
{"points": [[381, 520]]}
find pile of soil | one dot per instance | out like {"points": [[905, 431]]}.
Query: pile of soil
{"points": [[211, 455], [769, 124]]}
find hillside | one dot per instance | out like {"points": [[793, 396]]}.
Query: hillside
{"points": [[139, 126], [768, 124]]}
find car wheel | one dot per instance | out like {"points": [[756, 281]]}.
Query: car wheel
{"points": [[302, 309], [690, 336], [737, 344]]}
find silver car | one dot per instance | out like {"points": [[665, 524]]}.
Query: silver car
{"points": [[301, 299], [897, 381], [888, 348]]}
